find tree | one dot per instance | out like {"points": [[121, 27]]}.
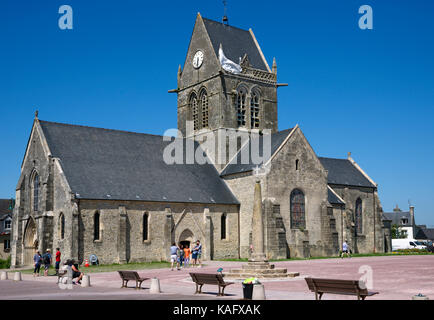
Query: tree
{"points": [[397, 233]]}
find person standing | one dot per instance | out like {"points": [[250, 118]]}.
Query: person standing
{"points": [[58, 254], [37, 260], [187, 253], [47, 262], [198, 250], [180, 254], [345, 249], [173, 255]]}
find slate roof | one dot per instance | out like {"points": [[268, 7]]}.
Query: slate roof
{"points": [[425, 233], [396, 217], [343, 172], [236, 166], [236, 42], [4, 207], [129, 166], [332, 198]]}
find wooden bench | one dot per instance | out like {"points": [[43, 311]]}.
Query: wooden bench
{"points": [[131, 275], [345, 287], [207, 278]]}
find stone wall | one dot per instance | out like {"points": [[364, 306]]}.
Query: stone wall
{"points": [[121, 230], [311, 179], [371, 219], [39, 160], [242, 186]]}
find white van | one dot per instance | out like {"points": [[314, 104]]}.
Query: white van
{"points": [[407, 244]]}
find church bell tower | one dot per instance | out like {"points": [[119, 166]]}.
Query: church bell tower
{"points": [[226, 85]]}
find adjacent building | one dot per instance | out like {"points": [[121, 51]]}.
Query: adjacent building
{"points": [[6, 210]]}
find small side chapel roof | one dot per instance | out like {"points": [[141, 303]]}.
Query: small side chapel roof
{"points": [[343, 172], [236, 42], [103, 164], [333, 198]]}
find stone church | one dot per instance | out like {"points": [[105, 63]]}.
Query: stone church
{"points": [[110, 193]]}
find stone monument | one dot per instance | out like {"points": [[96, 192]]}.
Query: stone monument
{"points": [[258, 265]]}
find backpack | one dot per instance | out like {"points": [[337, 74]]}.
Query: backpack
{"points": [[46, 259]]}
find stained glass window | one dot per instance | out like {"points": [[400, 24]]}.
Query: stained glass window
{"points": [[297, 209]]}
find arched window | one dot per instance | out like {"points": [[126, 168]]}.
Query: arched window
{"points": [[358, 217], [35, 191], [223, 226], [193, 104], [96, 226], [297, 164], [204, 107], [62, 226], [145, 227], [297, 209], [241, 106], [254, 110]]}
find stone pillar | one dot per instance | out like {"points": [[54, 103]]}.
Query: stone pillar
{"points": [[75, 233], [258, 254], [208, 241], [167, 234], [122, 235], [16, 233]]}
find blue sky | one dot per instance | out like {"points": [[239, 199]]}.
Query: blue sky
{"points": [[370, 92]]}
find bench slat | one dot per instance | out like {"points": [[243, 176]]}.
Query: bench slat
{"points": [[337, 286]]}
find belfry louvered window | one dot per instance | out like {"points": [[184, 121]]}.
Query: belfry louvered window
{"points": [[254, 110], [204, 107], [241, 107], [358, 216], [195, 110], [298, 219]]}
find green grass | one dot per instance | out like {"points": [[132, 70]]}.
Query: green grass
{"points": [[356, 255], [112, 267], [5, 264]]}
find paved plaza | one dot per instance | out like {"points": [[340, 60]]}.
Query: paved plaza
{"points": [[399, 277]]}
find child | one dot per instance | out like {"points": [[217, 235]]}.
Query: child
{"points": [[187, 253]]}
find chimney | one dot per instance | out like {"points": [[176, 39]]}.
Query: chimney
{"points": [[396, 209], [412, 215]]}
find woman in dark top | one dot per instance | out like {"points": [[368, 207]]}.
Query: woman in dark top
{"points": [[75, 272]]}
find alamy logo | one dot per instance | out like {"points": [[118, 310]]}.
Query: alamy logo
{"points": [[65, 21], [66, 281], [235, 147], [366, 21], [366, 281]]}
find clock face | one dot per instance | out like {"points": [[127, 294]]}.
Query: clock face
{"points": [[198, 59]]}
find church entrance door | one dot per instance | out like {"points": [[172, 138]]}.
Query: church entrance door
{"points": [[30, 242], [186, 238]]}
